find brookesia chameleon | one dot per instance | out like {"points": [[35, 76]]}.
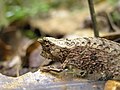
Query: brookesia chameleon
{"points": [[88, 57]]}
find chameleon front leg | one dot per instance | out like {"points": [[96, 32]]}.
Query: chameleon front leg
{"points": [[50, 68], [53, 66]]}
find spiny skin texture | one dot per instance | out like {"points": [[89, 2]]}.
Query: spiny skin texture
{"points": [[99, 58]]}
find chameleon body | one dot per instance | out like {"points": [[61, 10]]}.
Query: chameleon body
{"points": [[91, 58]]}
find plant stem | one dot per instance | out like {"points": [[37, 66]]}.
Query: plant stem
{"points": [[93, 17]]}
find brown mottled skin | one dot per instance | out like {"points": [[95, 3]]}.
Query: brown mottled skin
{"points": [[90, 58]]}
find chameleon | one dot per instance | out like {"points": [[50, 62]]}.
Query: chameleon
{"points": [[92, 58]]}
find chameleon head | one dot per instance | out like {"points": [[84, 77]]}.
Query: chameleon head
{"points": [[46, 45], [49, 48], [47, 42]]}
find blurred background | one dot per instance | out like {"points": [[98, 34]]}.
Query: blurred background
{"points": [[22, 22]]}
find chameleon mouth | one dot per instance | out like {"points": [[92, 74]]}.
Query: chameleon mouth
{"points": [[40, 40]]}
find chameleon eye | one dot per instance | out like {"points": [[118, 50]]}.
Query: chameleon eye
{"points": [[47, 45], [88, 42], [94, 43], [83, 42]]}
